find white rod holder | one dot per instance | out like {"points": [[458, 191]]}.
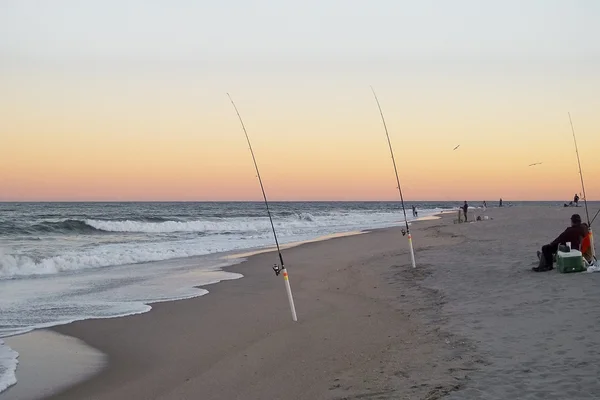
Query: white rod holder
{"points": [[412, 251], [288, 289]]}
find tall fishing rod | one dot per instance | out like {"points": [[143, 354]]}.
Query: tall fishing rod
{"points": [[583, 189], [410, 244], [278, 269], [580, 173]]}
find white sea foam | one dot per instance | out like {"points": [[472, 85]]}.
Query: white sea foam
{"points": [[232, 225], [101, 256], [149, 262], [227, 235], [29, 304], [8, 366], [211, 226], [232, 234]]}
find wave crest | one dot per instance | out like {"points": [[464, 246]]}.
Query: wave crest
{"points": [[15, 265], [69, 225], [217, 226]]}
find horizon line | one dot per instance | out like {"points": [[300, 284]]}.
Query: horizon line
{"points": [[278, 201]]}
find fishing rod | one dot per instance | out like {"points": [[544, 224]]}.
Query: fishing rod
{"points": [[580, 173], [587, 214], [593, 219], [410, 244], [277, 268]]}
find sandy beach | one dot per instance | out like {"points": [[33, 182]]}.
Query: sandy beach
{"points": [[157, 158], [471, 322]]}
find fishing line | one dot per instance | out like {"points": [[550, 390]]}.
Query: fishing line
{"points": [[412, 253], [583, 189], [593, 219], [580, 173], [278, 269]]}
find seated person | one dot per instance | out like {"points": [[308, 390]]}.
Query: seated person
{"points": [[572, 234], [586, 244]]}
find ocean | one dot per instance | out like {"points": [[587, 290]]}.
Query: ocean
{"points": [[62, 262]]}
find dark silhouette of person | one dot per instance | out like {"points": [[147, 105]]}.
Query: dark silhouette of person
{"points": [[576, 200], [500, 205], [465, 208], [415, 212], [573, 234]]}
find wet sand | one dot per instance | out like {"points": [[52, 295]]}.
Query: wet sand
{"points": [[50, 362]]}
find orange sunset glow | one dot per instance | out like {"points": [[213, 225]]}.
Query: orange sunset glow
{"points": [[142, 120]]}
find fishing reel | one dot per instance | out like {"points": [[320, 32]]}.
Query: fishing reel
{"points": [[277, 269], [403, 232]]}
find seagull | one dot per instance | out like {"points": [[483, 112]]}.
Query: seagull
{"points": [[537, 163], [456, 147]]}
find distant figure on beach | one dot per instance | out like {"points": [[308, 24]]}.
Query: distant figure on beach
{"points": [[576, 200], [465, 208], [573, 234], [484, 205], [500, 204], [415, 212]]}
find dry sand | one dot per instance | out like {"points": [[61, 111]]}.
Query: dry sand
{"points": [[537, 332], [471, 322]]}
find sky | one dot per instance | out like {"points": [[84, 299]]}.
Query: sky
{"points": [[126, 100]]}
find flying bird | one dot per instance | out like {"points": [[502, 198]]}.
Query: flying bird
{"points": [[456, 147], [537, 163]]}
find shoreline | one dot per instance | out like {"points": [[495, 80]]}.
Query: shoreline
{"points": [[23, 340], [122, 358], [40, 351]]}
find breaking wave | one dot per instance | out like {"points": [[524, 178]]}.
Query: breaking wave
{"points": [[67, 226], [130, 241], [14, 265], [159, 225]]}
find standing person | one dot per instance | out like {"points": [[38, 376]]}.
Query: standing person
{"points": [[465, 208], [484, 205], [500, 203], [415, 213], [576, 200]]}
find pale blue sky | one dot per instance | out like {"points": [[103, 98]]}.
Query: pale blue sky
{"points": [[301, 32]]}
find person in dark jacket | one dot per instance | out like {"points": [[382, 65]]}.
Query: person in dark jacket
{"points": [[573, 234], [465, 208]]}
